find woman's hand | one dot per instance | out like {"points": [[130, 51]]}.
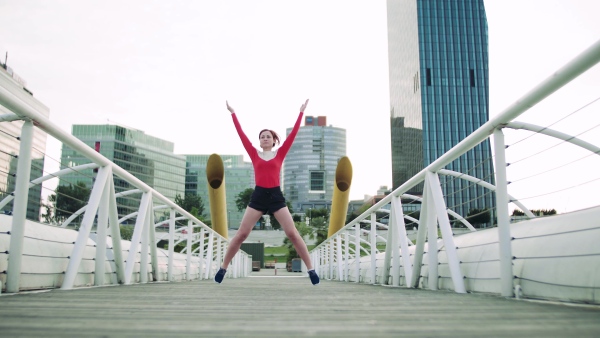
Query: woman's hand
{"points": [[303, 107], [230, 108]]}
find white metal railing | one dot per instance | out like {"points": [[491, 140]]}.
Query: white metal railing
{"points": [[101, 212], [339, 257]]}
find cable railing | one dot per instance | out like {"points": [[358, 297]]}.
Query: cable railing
{"points": [[500, 259], [95, 253]]}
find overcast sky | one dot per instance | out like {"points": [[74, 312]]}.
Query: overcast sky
{"points": [[166, 68]]}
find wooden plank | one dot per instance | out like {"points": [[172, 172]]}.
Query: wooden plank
{"points": [[269, 306]]}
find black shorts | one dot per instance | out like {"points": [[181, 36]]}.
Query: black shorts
{"points": [[267, 199]]}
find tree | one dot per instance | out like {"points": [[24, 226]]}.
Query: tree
{"points": [[65, 201], [477, 216], [318, 223], [126, 232], [243, 199], [191, 203], [537, 212]]}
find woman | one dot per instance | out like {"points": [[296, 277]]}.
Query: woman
{"points": [[267, 196]]}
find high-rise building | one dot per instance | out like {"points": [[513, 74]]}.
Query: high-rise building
{"points": [[239, 176], [439, 93], [309, 167], [10, 144], [148, 158]]}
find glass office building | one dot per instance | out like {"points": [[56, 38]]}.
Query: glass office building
{"points": [[239, 176], [10, 145], [148, 158], [439, 92], [309, 167]]}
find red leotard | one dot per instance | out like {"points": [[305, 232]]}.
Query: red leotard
{"points": [[266, 173]]}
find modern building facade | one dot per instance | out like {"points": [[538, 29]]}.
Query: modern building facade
{"points": [[309, 168], [148, 158], [439, 93], [239, 176], [10, 145]]}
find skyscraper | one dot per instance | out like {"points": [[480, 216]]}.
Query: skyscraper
{"points": [[309, 167], [146, 157], [439, 91]]}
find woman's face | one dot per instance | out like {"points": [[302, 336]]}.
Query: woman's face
{"points": [[266, 139]]}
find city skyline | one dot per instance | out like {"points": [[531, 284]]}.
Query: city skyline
{"points": [[166, 68]]}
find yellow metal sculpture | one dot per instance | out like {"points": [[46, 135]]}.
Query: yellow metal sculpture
{"points": [[341, 195], [215, 176]]}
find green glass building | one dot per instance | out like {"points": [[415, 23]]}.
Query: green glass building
{"points": [[146, 157]]}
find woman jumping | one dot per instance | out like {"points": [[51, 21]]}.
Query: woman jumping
{"points": [[267, 195]]}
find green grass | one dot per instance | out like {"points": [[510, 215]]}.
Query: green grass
{"points": [[276, 250], [279, 252]]}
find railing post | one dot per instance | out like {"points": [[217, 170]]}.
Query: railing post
{"points": [[357, 247], [399, 231], [201, 254], [373, 235], [152, 240], [339, 257], [17, 232], [389, 249], [209, 254], [144, 246], [447, 236], [219, 251], [115, 232], [171, 245], [432, 238], [86, 226], [188, 257], [137, 234], [402, 236], [331, 246], [425, 215], [346, 256], [504, 238], [101, 230]]}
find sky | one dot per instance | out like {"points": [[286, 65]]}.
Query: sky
{"points": [[167, 68]]}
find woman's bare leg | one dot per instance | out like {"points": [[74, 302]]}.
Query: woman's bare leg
{"points": [[251, 216], [284, 218]]}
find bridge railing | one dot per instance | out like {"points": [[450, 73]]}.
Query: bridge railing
{"points": [[362, 252], [95, 254]]}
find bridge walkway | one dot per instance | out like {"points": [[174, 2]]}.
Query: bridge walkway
{"points": [[284, 306]]}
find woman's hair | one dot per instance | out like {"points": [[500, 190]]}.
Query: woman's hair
{"points": [[274, 134]]}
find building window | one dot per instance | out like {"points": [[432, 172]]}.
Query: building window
{"points": [[472, 77], [317, 182], [428, 76]]}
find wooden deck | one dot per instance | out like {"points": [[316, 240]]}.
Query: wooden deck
{"points": [[284, 306]]}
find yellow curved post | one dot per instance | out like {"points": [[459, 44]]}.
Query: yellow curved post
{"points": [[215, 176], [341, 195]]}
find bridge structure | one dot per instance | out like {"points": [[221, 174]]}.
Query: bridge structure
{"points": [[55, 279]]}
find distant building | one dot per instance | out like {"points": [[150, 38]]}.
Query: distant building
{"points": [[239, 176], [309, 168], [439, 93], [148, 158], [10, 145]]}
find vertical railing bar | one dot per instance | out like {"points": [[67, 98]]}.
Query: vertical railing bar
{"points": [[17, 232], [504, 237]]}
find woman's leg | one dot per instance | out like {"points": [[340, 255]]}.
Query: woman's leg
{"points": [[284, 218], [251, 216]]}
